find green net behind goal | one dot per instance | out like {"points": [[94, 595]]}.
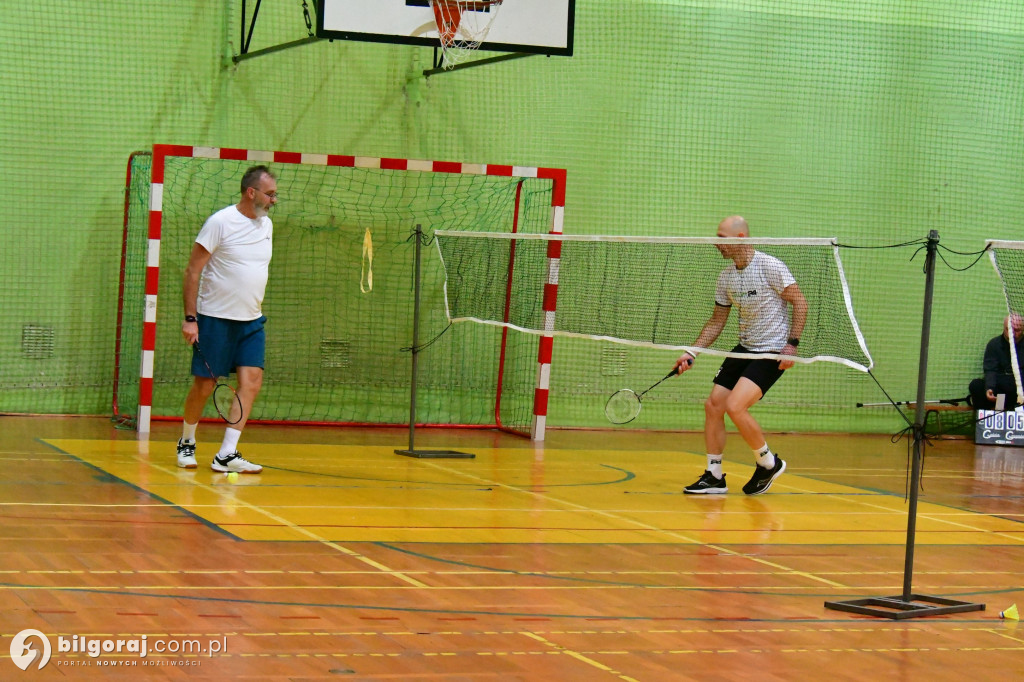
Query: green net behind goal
{"points": [[335, 339]]}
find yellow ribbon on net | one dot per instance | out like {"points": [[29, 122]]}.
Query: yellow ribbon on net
{"points": [[366, 268]]}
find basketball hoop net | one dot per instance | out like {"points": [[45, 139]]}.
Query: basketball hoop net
{"points": [[462, 25]]}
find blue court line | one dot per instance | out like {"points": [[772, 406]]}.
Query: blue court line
{"points": [[145, 492], [515, 614]]}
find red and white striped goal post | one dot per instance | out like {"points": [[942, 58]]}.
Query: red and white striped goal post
{"points": [[162, 151]]}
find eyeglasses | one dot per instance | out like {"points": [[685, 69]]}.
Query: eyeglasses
{"points": [[269, 195]]}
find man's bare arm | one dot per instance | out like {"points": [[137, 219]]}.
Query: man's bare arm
{"points": [[190, 290], [708, 334]]}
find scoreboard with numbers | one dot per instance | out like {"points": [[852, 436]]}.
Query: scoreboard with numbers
{"points": [[1000, 428]]}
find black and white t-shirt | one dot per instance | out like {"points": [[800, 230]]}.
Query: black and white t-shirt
{"points": [[756, 292]]}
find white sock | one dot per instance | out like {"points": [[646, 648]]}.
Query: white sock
{"points": [[188, 432], [715, 465], [765, 457], [230, 443]]}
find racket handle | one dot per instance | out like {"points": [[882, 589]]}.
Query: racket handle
{"points": [[665, 378], [675, 371]]}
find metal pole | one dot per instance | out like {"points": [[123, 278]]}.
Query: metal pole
{"points": [[910, 605], [412, 451], [438, 69], [415, 340], [270, 50], [919, 413]]}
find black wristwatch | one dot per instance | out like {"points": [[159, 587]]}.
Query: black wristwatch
{"points": [[190, 318], [794, 342]]}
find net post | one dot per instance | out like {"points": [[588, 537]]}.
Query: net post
{"points": [[116, 404], [412, 451], [508, 305], [908, 604], [152, 287], [919, 414], [415, 340]]}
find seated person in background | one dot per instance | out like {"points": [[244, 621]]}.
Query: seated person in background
{"points": [[999, 367]]}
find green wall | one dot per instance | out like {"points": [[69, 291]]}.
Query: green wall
{"points": [[873, 124]]}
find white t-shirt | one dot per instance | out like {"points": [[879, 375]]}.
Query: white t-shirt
{"points": [[234, 280], [756, 292]]}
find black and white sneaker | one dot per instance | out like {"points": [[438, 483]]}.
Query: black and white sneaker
{"points": [[763, 478], [707, 484], [186, 455], [234, 463]]}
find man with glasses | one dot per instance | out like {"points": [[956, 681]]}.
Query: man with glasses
{"points": [[225, 280]]}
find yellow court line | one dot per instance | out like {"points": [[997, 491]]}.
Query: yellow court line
{"points": [[298, 529], [940, 517], [409, 502], [645, 526], [581, 572], [313, 536], [579, 656], [324, 541]]}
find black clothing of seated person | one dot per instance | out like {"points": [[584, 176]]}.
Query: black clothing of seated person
{"points": [[998, 366]]}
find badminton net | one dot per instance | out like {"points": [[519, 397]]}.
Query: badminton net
{"points": [[647, 291], [1008, 260]]}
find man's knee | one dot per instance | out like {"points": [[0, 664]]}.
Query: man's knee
{"points": [[250, 378], [976, 392], [714, 407], [742, 398], [736, 408], [203, 385]]}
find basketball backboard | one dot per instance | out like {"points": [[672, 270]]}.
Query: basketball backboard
{"points": [[530, 26]]}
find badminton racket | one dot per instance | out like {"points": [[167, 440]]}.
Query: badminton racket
{"points": [[624, 405], [225, 399]]}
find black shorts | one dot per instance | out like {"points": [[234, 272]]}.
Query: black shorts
{"points": [[762, 371]]}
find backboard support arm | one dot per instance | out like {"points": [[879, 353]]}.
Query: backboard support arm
{"points": [[245, 39], [439, 61]]}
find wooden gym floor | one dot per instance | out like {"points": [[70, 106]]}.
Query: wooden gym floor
{"points": [[578, 560]]}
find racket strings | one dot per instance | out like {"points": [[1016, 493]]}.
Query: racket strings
{"points": [[227, 403], [225, 398], [622, 407]]}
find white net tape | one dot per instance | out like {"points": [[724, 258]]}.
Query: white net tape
{"points": [[462, 25], [1008, 260]]}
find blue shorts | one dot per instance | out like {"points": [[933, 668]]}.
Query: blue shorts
{"points": [[227, 344], [761, 371]]}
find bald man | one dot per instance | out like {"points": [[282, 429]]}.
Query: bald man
{"points": [[762, 288], [998, 366]]}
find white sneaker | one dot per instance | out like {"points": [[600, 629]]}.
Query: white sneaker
{"points": [[234, 463], [186, 455]]}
